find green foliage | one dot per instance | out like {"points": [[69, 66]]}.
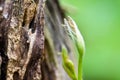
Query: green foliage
{"points": [[99, 23], [68, 64], [78, 42]]}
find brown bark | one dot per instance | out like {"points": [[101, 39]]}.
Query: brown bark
{"points": [[25, 52], [24, 48]]}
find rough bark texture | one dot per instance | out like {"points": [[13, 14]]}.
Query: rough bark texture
{"points": [[25, 52]]}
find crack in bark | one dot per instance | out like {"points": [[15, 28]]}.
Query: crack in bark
{"points": [[25, 49], [22, 40]]}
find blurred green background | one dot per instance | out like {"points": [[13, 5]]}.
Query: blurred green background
{"points": [[99, 23]]}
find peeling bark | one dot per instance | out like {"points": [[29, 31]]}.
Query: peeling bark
{"points": [[24, 48], [25, 52]]}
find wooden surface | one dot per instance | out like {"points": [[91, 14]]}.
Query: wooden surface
{"points": [[25, 52]]}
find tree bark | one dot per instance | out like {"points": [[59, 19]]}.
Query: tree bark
{"points": [[25, 52]]}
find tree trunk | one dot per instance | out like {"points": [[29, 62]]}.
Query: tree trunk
{"points": [[30, 40]]}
